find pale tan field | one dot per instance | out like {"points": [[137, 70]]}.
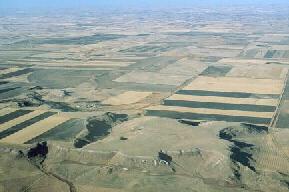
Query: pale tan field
{"points": [[216, 52], [6, 111], [230, 84], [225, 46], [212, 111], [3, 105], [229, 100], [35, 130], [272, 38], [220, 27], [21, 78], [237, 61], [51, 55], [9, 70], [185, 66], [20, 119], [280, 47], [125, 98], [152, 78], [258, 72]]}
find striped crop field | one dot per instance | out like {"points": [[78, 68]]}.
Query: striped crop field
{"points": [[231, 99], [9, 70], [10, 116], [20, 119], [12, 72], [19, 126], [35, 129], [225, 103], [6, 111]]}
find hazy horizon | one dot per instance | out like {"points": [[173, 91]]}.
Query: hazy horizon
{"points": [[30, 4]]}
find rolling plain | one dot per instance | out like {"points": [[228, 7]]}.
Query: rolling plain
{"points": [[89, 100]]}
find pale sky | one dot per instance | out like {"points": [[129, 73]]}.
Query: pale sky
{"points": [[126, 3]]}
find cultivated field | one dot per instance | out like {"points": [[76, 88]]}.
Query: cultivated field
{"points": [[153, 78], [173, 99], [232, 99], [35, 129], [239, 85], [20, 119], [19, 127], [227, 100]]}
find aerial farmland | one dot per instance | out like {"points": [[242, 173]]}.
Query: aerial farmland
{"points": [[191, 99]]}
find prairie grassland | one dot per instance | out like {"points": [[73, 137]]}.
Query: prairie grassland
{"points": [[85, 188], [35, 130]]}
